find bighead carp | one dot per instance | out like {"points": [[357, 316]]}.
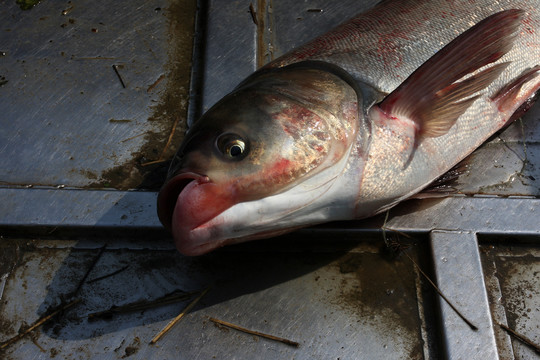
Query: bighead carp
{"points": [[353, 122]]}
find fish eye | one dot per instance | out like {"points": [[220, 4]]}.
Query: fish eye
{"points": [[232, 146]]}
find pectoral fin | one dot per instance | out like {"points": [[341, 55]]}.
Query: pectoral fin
{"points": [[444, 87]]}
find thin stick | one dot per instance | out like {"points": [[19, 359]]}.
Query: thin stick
{"points": [[92, 265], [397, 232], [170, 137], [467, 321], [119, 120], [253, 14], [108, 275], [383, 228], [153, 162], [142, 305], [38, 346], [522, 338], [151, 87], [160, 159], [38, 323], [253, 332], [133, 137], [115, 68], [179, 317]]}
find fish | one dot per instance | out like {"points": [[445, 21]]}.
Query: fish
{"points": [[353, 122]]}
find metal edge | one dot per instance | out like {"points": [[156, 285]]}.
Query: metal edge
{"points": [[498, 311], [34, 209], [459, 275], [197, 63]]}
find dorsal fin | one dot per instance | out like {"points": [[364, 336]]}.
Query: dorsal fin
{"points": [[442, 89]]}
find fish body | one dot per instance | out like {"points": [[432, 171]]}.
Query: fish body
{"points": [[353, 122]]}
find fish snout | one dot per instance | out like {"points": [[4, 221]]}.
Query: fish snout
{"points": [[168, 195], [187, 205]]}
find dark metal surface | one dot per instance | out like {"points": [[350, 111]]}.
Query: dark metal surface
{"points": [[350, 302], [82, 102]]}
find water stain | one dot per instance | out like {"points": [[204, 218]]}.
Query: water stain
{"points": [[381, 287], [519, 283]]}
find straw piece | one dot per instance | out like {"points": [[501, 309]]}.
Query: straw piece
{"points": [[179, 317], [253, 332]]}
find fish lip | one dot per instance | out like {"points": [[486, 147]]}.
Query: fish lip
{"points": [[169, 192]]}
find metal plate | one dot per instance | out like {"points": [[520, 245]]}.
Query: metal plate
{"points": [[68, 119], [513, 278], [348, 302]]}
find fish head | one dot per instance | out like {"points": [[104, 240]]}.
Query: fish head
{"points": [[274, 131]]}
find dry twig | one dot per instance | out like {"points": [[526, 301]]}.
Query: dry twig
{"points": [[253, 332], [179, 317], [467, 321], [159, 79], [39, 323], [108, 275], [89, 270], [162, 155], [115, 68], [141, 305], [253, 14], [521, 338], [133, 137]]}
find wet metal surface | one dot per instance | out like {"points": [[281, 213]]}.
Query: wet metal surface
{"points": [[68, 117], [513, 280], [347, 302], [74, 141]]}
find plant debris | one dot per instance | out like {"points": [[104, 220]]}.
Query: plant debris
{"points": [[92, 265], [108, 275], [179, 317], [170, 298], [253, 332], [253, 14], [151, 87], [39, 323], [115, 68], [521, 338], [162, 155]]}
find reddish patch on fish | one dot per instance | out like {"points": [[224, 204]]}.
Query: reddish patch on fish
{"points": [[280, 168], [528, 25], [296, 119], [388, 48], [271, 179]]}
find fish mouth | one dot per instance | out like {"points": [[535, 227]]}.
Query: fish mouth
{"points": [[168, 195], [186, 204]]}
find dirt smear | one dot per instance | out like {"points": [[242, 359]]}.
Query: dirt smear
{"points": [[148, 167]]}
